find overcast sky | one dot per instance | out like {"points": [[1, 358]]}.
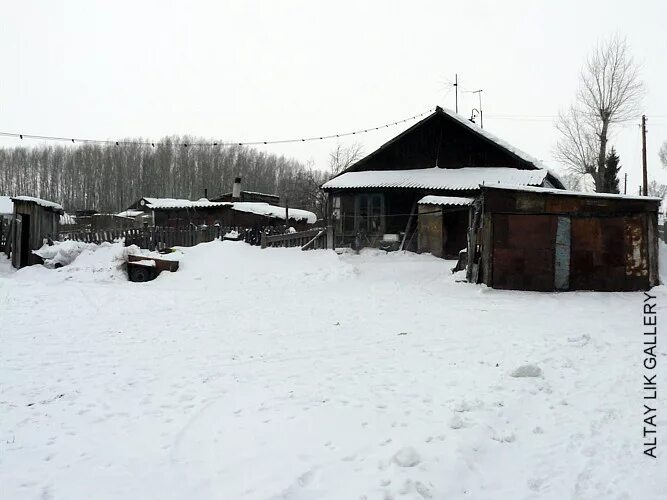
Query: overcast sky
{"points": [[251, 70]]}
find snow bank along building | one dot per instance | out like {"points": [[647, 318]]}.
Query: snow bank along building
{"points": [[414, 192], [245, 209], [527, 238], [35, 222]]}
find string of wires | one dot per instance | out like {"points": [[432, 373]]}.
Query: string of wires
{"points": [[214, 143]]}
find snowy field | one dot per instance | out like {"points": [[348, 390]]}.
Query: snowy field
{"points": [[281, 374]]}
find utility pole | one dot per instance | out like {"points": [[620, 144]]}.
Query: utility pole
{"points": [[456, 91], [645, 174], [625, 184], [286, 212]]}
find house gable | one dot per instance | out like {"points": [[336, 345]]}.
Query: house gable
{"points": [[445, 140]]}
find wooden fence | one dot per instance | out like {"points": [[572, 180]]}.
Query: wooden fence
{"points": [[311, 239], [159, 237]]}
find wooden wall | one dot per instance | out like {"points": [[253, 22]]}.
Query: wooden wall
{"points": [[43, 224]]}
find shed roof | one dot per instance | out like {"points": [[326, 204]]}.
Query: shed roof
{"points": [[468, 178], [166, 203], [49, 205], [255, 207], [562, 192], [274, 211], [446, 200]]}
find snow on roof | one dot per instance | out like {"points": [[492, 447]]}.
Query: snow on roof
{"points": [[265, 209], [42, 203], [445, 200], [67, 219], [562, 192], [162, 203], [6, 205], [437, 178], [130, 213], [255, 207]]}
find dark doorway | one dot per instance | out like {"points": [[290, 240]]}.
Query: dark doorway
{"points": [[24, 257]]}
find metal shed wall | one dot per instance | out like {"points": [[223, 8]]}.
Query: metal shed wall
{"points": [[551, 242]]}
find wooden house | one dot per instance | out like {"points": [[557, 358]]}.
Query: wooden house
{"points": [[377, 199], [36, 221], [526, 238]]}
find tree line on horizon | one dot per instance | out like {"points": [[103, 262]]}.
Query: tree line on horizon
{"points": [[109, 178]]}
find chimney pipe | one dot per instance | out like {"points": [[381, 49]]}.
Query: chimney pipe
{"points": [[206, 193], [236, 190]]}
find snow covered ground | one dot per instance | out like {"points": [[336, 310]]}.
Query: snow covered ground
{"points": [[261, 374]]}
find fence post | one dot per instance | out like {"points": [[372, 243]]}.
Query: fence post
{"points": [[330, 237]]}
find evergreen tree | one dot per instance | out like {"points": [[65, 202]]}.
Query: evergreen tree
{"points": [[612, 167]]}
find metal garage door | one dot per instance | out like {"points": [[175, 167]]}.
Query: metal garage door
{"points": [[523, 251]]}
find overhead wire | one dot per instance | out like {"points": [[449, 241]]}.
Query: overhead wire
{"points": [[75, 140]]}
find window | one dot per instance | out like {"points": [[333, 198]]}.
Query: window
{"points": [[369, 213]]}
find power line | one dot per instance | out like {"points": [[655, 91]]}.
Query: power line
{"points": [[75, 140]]}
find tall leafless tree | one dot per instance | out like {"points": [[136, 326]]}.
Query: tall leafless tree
{"points": [[342, 157], [610, 91]]}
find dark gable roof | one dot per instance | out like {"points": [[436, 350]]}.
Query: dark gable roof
{"points": [[447, 140]]}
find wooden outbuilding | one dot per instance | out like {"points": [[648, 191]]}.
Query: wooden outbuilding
{"points": [[442, 225], [36, 221], [524, 238], [170, 212]]}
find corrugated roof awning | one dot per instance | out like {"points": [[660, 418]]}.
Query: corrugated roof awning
{"points": [[446, 200]]}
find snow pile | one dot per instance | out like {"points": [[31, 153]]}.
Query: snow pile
{"points": [[527, 371], [62, 253], [81, 262]]}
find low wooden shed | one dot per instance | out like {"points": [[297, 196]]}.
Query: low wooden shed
{"points": [[524, 238], [35, 221], [442, 225]]}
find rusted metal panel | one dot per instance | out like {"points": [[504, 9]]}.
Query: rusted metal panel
{"points": [[529, 202], [560, 204], [652, 235], [523, 251], [599, 253], [562, 255], [636, 258]]}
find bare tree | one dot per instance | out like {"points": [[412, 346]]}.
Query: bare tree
{"points": [[610, 91], [663, 154], [656, 189], [344, 156]]}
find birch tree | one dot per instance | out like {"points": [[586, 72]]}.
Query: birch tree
{"points": [[610, 92]]}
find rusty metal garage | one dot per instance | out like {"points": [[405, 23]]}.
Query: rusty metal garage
{"points": [[524, 238]]}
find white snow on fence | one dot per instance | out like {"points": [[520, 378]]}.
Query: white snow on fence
{"points": [[437, 178]]}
